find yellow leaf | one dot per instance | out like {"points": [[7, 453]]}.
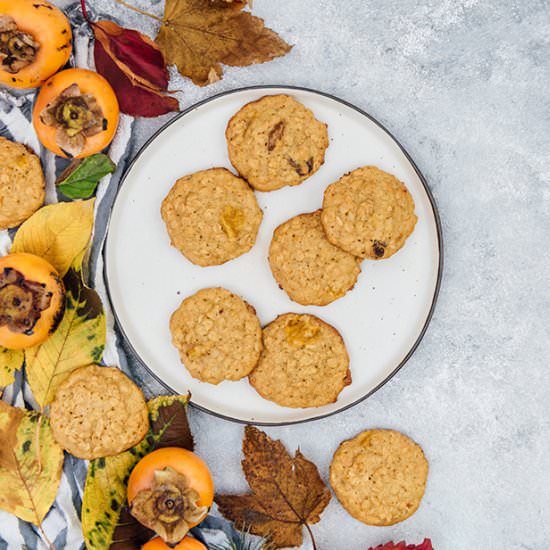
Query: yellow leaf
{"points": [[59, 233], [104, 501], [30, 464], [78, 341], [11, 360]]}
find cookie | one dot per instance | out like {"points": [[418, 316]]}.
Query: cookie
{"points": [[304, 362], [379, 476], [22, 185], [276, 141], [211, 216], [217, 334], [98, 411], [369, 213], [307, 266]]}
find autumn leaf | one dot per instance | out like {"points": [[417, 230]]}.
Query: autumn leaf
{"points": [[198, 36], [426, 545], [59, 233], [78, 341], [134, 66], [30, 464], [287, 493], [105, 516], [11, 360], [79, 180]]}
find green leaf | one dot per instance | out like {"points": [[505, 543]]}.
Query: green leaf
{"points": [[105, 516], [81, 177], [78, 341], [30, 464], [11, 360]]}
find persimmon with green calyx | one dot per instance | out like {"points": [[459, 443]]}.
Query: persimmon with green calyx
{"points": [[35, 42], [32, 300], [76, 113], [188, 543], [170, 491]]}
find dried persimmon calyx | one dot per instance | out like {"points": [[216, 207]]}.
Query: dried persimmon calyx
{"points": [[169, 507], [75, 116], [17, 48]]}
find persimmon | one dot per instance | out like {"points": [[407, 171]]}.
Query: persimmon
{"points": [[76, 113], [188, 543], [35, 42], [32, 300], [170, 491]]}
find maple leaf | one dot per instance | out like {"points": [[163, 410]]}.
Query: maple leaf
{"points": [[426, 545], [198, 36], [287, 493]]}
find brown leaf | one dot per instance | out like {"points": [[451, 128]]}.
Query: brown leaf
{"points": [[200, 35], [287, 492]]}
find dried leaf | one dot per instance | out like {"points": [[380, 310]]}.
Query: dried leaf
{"points": [[79, 180], [134, 66], [426, 545], [59, 233], [287, 493], [30, 464], [105, 516], [78, 341], [11, 360], [199, 35]]}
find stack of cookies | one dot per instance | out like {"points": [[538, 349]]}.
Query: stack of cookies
{"points": [[212, 217]]}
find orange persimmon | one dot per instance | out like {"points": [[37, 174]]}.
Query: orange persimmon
{"points": [[188, 543], [76, 113], [35, 42], [170, 491], [32, 300]]}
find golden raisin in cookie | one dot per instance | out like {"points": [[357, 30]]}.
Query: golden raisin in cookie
{"points": [[368, 213], [379, 476], [98, 411], [22, 185], [304, 362], [308, 267], [217, 334], [276, 141], [212, 216]]}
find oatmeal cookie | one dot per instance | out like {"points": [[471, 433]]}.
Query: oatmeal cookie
{"points": [[212, 216], [217, 335], [368, 213], [308, 267], [98, 411], [379, 476], [22, 185], [304, 362], [276, 141]]}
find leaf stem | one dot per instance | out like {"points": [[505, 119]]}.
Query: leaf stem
{"points": [[138, 10], [311, 536], [45, 537], [84, 10]]}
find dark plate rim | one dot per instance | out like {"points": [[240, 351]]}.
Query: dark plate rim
{"points": [[420, 176]]}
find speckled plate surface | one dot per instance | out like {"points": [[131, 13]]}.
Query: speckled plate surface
{"points": [[382, 320]]}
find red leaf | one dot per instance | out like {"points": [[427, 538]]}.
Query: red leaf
{"points": [[426, 545], [135, 68]]}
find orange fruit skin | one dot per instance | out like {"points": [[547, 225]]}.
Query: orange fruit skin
{"points": [[50, 28], [89, 82], [181, 460], [36, 269], [188, 543]]}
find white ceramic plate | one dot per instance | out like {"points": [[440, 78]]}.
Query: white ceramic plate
{"points": [[382, 320]]}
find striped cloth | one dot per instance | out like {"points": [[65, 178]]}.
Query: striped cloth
{"points": [[62, 524]]}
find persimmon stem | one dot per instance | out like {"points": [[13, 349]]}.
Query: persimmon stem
{"points": [[311, 536], [138, 10]]}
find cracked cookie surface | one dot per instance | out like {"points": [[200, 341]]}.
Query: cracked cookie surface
{"points": [[369, 213], [212, 216], [307, 266], [304, 362], [276, 141], [217, 335]]}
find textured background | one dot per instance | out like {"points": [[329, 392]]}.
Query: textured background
{"points": [[463, 84]]}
